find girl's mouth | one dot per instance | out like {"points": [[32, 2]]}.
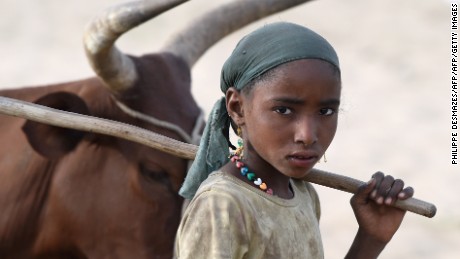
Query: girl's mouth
{"points": [[303, 159]]}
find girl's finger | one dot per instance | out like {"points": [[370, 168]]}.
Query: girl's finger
{"points": [[378, 176], [406, 193], [385, 187], [396, 188], [361, 196]]}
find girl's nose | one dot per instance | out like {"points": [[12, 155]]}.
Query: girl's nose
{"points": [[306, 132]]}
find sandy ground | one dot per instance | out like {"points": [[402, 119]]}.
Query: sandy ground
{"points": [[396, 109]]}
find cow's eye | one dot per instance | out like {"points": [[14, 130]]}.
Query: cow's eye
{"points": [[155, 175]]}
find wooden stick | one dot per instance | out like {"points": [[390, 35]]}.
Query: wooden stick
{"points": [[348, 184], [174, 147], [50, 116]]}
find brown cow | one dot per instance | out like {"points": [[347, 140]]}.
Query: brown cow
{"points": [[69, 194]]}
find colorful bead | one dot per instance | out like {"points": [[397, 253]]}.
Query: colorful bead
{"points": [[240, 142], [244, 170], [263, 186], [250, 175]]}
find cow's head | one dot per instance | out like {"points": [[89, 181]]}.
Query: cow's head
{"points": [[106, 193]]}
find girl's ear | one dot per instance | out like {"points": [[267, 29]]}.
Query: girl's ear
{"points": [[234, 103]]}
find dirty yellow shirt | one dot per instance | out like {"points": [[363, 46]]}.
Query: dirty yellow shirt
{"points": [[228, 218]]}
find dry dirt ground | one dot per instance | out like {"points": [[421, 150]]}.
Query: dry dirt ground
{"points": [[396, 94]]}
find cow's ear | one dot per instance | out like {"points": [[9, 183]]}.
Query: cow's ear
{"points": [[55, 142]]}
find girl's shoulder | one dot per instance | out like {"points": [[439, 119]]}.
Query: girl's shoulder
{"points": [[225, 188], [228, 187], [310, 195], [219, 184], [217, 181]]}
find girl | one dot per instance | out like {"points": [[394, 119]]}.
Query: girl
{"points": [[282, 91]]}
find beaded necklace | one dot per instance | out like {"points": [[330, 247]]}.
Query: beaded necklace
{"points": [[251, 176]]}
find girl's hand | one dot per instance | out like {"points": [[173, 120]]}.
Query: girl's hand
{"points": [[377, 220]]}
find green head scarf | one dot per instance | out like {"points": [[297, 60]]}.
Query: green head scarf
{"points": [[257, 53]]}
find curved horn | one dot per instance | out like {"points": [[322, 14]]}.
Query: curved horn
{"points": [[196, 38], [115, 68]]}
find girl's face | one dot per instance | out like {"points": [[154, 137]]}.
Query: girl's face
{"points": [[289, 120]]}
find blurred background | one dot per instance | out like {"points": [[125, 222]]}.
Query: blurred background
{"points": [[396, 94]]}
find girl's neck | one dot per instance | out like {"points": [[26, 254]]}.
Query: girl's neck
{"points": [[274, 179]]}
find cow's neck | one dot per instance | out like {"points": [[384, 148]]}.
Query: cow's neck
{"points": [[22, 217]]}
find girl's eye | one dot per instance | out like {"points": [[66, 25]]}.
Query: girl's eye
{"points": [[283, 110], [326, 111]]}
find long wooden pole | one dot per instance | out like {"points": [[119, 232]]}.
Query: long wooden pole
{"points": [[174, 147]]}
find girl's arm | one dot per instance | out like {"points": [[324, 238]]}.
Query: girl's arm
{"points": [[377, 221]]}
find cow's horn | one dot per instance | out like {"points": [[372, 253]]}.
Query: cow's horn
{"points": [[198, 36], [115, 68]]}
